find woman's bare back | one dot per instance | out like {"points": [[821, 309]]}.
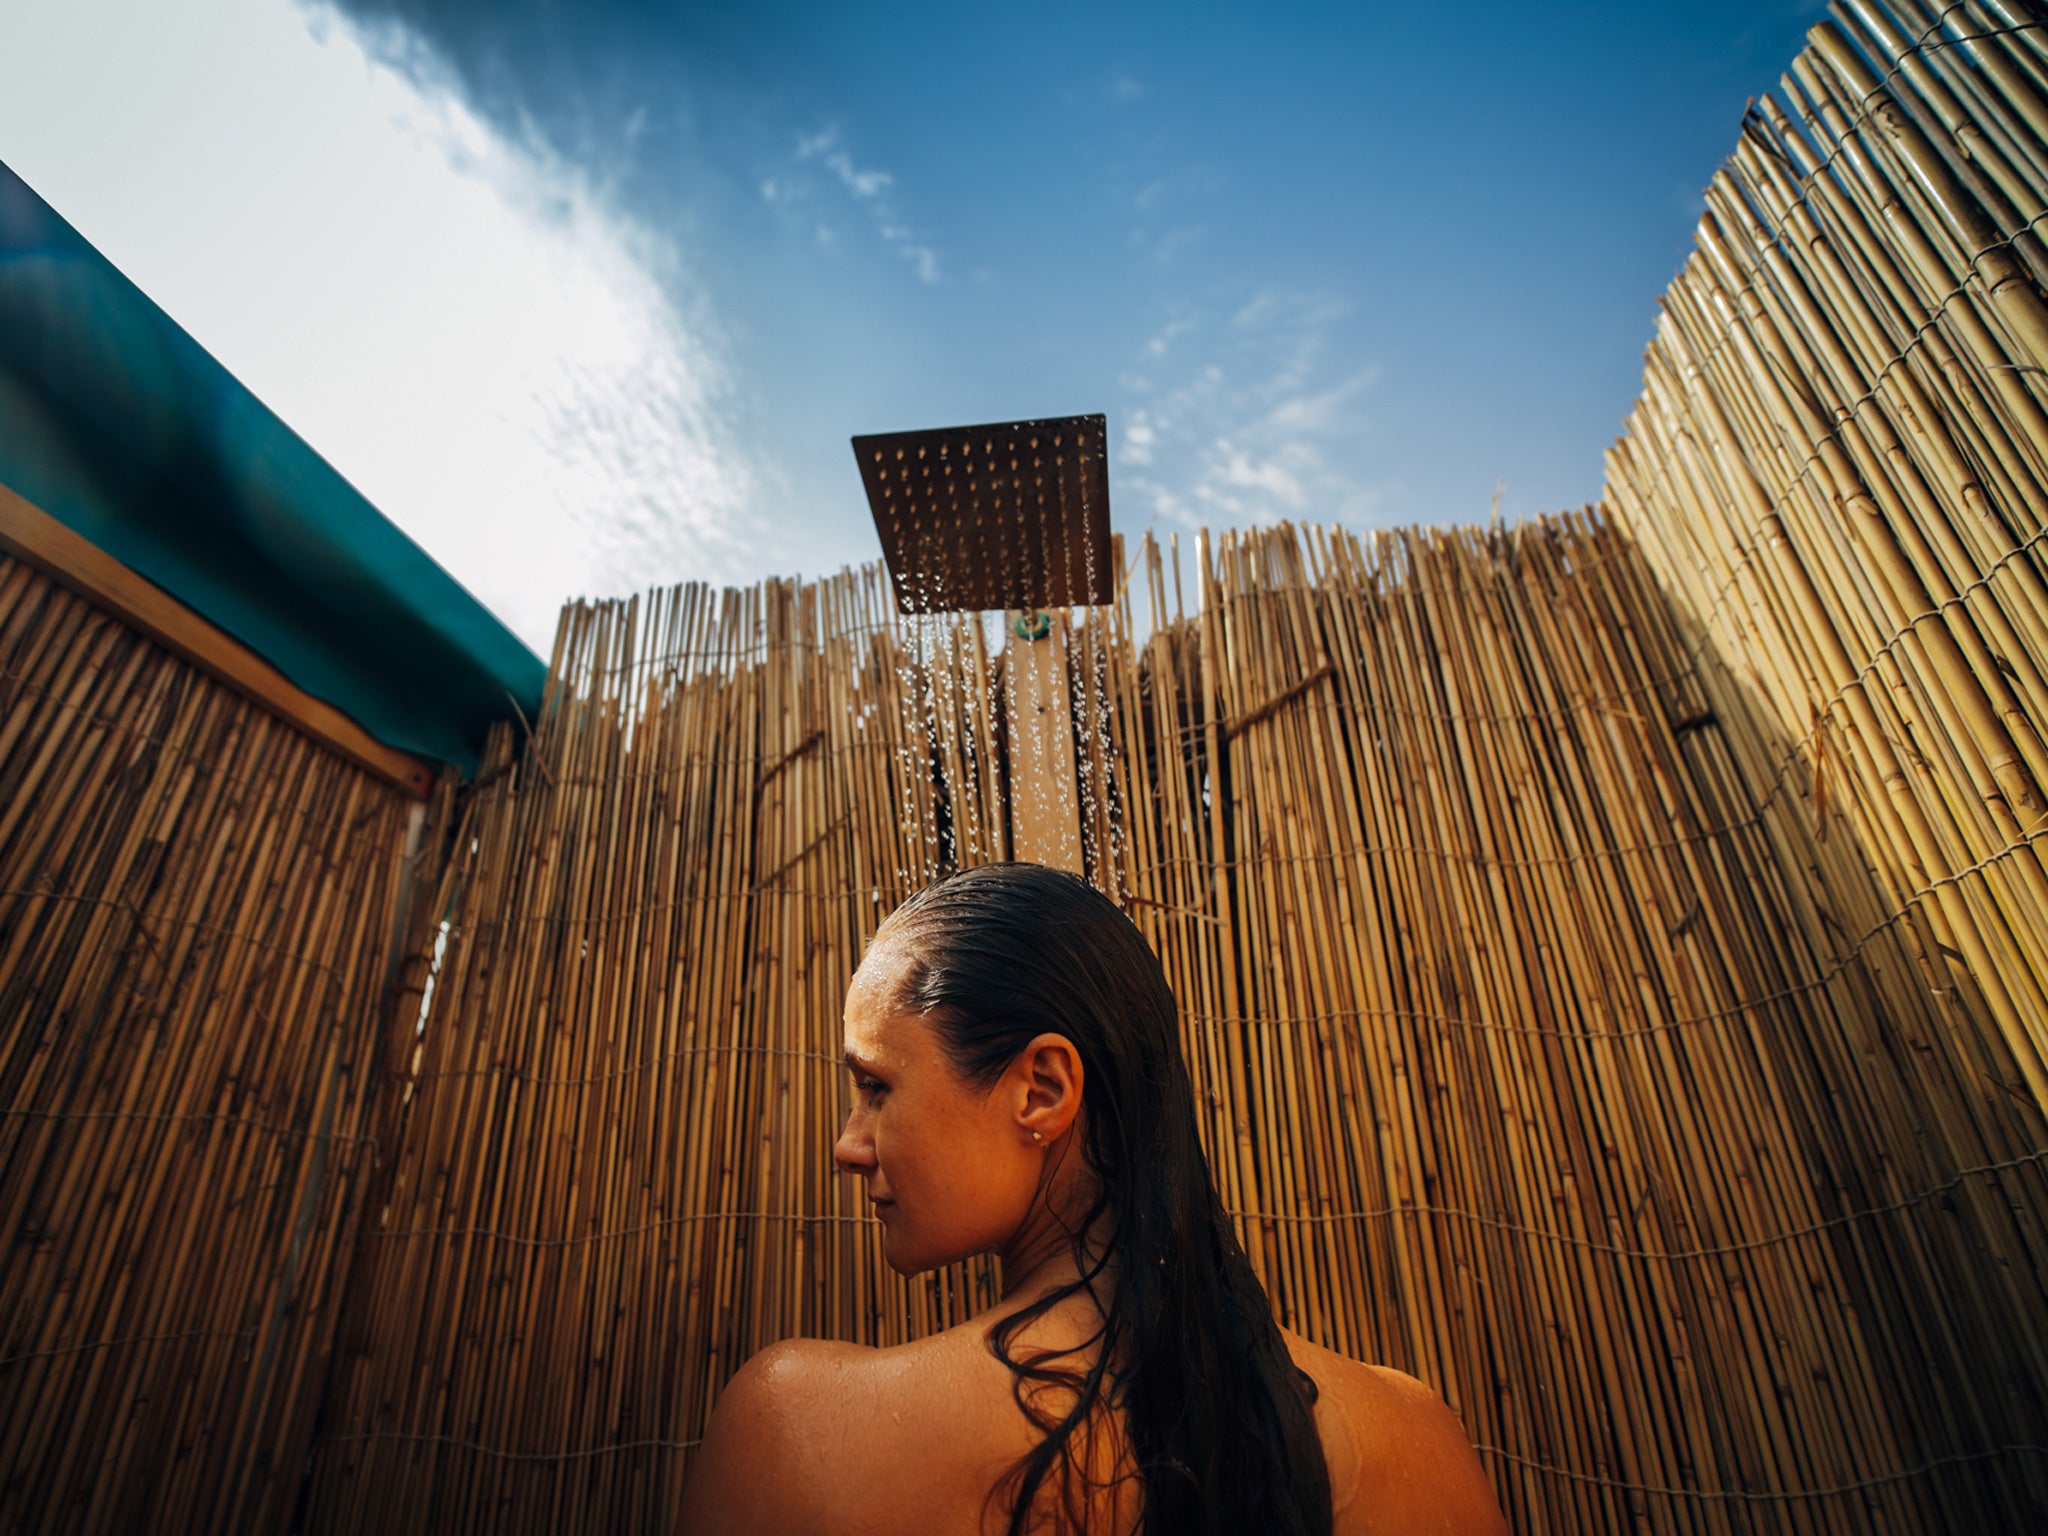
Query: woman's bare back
{"points": [[818, 1437]]}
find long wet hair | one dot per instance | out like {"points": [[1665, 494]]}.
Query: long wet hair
{"points": [[1218, 1422]]}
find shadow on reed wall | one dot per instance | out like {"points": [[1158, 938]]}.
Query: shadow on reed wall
{"points": [[196, 910]]}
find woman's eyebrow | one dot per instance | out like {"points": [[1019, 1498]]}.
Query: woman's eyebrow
{"points": [[858, 1063]]}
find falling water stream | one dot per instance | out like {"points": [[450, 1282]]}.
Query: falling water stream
{"points": [[1006, 713]]}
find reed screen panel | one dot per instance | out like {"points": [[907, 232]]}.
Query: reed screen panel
{"points": [[616, 1181], [1554, 1053], [1535, 1059], [195, 913], [1839, 469]]}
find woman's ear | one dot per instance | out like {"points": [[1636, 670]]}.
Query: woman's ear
{"points": [[1049, 1083]]}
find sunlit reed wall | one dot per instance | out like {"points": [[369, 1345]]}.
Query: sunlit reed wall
{"points": [[196, 908]]}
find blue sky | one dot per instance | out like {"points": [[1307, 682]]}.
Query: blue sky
{"points": [[589, 297]]}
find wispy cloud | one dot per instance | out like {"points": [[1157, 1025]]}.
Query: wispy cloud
{"points": [[1167, 246], [1139, 436], [1231, 466], [1163, 339], [463, 323], [867, 187], [1251, 422], [1166, 217]]}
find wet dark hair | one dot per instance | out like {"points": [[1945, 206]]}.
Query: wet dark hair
{"points": [[1218, 1420]]}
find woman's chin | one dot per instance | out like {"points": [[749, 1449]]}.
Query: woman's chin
{"points": [[903, 1259], [906, 1257]]}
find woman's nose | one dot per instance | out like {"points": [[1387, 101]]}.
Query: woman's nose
{"points": [[854, 1152]]}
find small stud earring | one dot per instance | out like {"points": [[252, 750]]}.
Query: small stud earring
{"points": [[1037, 1137]]}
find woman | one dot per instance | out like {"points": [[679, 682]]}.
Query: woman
{"points": [[1019, 1090]]}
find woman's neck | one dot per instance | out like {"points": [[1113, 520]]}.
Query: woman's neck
{"points": [[1043, 1256]]}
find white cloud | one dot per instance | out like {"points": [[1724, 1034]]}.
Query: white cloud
{"points": [[1164, 502], [1255, 423], [1233, 468], [1173, 244], [1139, 436], [870, 187], [461, 323], [1316, 411], [865, 185], [1166, 335], [1261, 310]]}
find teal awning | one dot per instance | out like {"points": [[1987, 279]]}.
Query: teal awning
{"points": [[121, 426]]}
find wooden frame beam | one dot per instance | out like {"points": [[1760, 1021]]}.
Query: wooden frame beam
{"points": [[31, 534]]}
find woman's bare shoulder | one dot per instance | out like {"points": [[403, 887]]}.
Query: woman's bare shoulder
{"points": [[753, 1469], [808, 1424], [1399, 1459]]}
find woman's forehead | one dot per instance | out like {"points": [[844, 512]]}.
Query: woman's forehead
{"points": [[883, 1035], [875, 1026], [878, 980]]}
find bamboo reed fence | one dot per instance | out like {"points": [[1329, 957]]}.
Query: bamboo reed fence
{"points": [[196, 914], [1537, 1060], [623, 1105], [1838, 463], [1610, 949]]}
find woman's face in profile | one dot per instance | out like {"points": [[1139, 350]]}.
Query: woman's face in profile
{"points": [[949, 1170]]}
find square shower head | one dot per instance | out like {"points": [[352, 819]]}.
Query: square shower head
{"points": [[1010, 515]]}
